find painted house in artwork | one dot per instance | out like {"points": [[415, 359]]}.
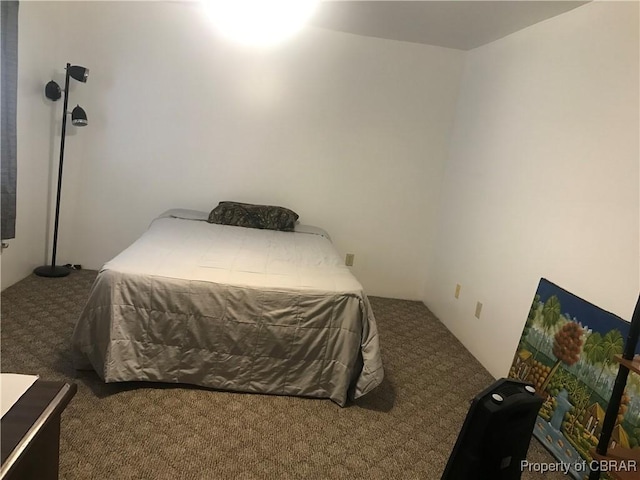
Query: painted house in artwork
{"points": [[593, 418], [523, 363], [619, 437]]}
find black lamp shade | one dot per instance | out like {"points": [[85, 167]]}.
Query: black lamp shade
{"points": [[78, 117], [52, 90], [78, 73]]}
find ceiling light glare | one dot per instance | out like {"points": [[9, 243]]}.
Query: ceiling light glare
{"points": [[256, 22]]}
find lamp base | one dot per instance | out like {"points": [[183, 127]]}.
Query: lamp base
{"points": [[52, 271]]}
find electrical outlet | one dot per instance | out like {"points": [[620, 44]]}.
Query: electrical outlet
{"points": [[457, 294], [349, 260], [478, 309]]}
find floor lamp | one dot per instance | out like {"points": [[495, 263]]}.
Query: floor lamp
{"points": [[79, 119]]}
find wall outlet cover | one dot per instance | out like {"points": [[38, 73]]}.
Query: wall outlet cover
{"points": [[478, 309]]}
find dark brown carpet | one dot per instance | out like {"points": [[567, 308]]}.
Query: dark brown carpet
{"points": [[405, 429]]}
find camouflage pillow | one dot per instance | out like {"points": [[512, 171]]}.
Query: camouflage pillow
{"points": [[253, 216]]}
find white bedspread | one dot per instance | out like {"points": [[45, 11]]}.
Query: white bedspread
{"points": [[247, 257]]}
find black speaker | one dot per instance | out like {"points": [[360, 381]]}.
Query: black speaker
{"points": [[495, 436]]}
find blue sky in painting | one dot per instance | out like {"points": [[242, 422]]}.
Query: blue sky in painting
{"points": [[588, 314]]}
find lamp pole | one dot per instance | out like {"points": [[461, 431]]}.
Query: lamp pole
{"points": [[62, 138]]}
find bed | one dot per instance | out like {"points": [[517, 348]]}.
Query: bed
{"points": [[231, 308]]}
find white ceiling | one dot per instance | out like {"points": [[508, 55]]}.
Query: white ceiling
{"points": [[453, 24]]}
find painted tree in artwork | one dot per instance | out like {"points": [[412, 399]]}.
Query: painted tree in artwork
{"points": [[593, 351], [550, 313], [624, 406], [581, 401], [527, 326], [567, 346], [550, 316], [612, 344]]}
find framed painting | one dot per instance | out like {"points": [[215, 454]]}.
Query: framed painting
{"points": [[567, 352]]}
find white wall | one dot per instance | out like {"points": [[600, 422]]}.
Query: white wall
{"points": [[350, 132], [543, 177], [38, 119]]}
